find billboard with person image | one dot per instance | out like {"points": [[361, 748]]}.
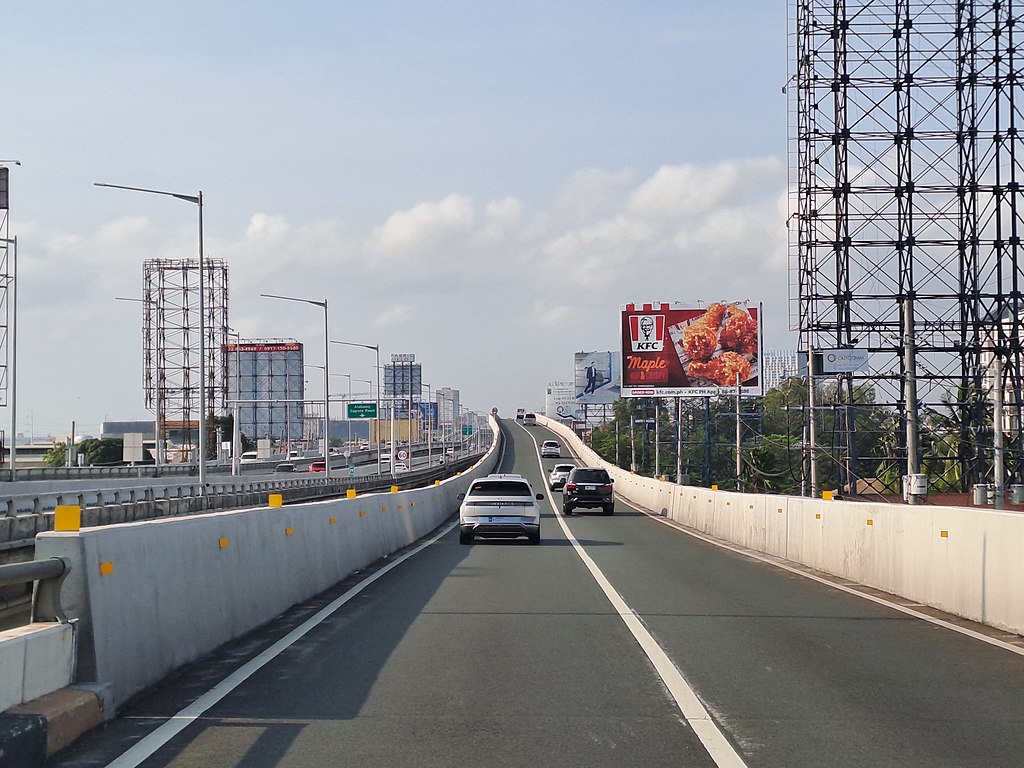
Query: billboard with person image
{"points": [[596, 377]]}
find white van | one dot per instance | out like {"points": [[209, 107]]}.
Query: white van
{"points": [[530, 420], [249, 456]]}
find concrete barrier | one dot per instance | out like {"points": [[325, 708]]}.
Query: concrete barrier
{"points": [[961, 560], [151, 596]]}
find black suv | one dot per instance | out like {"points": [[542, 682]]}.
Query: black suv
{"points": [[588, 487]]}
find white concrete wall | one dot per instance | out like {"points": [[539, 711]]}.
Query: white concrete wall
{"points": [[34, 660], [157, 594], [963, 560]]}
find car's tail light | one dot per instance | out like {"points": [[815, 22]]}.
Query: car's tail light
{"points": [[570, 486], [607, 488]]}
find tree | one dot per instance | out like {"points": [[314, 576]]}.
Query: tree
{"points": [[97, 451], [57, 456]]}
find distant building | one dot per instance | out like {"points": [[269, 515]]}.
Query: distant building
{"points": [[777, 365]]}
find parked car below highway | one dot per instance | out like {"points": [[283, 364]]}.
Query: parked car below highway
{"points": [[285, 467]]}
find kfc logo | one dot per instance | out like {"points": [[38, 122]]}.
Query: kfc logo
{"points": [[647, 333]]}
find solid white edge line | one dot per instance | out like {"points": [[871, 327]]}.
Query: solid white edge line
{"points": [[753, 555], [156, 739], [693, 711]]}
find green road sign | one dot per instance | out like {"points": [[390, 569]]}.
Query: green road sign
{"points": [[362, 410], [467, 429]]}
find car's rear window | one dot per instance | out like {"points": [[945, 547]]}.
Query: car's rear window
{"points": [[500, 488], [550, 444], [564, 468], [590, 476]]}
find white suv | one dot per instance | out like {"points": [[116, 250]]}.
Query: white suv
{"points": [[550, 449], [501, 507]]}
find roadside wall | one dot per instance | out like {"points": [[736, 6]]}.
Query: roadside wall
{"points": [[151, 596], [962, 560]]}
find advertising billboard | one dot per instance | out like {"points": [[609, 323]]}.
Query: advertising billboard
{"points": [[559, 402], [597, 377], [677, 350]]}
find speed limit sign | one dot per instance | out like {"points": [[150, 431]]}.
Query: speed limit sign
{"points": [[403, 454]]}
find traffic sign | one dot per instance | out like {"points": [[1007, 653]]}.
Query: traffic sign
{"points": [[362, 410], [467, 429]]}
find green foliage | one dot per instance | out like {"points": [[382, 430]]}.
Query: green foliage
{"points": [[99, 451], [57, 456]]}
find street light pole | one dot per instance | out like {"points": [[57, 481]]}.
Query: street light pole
{"points": [[327, 396], [14, 356], [376, 350], [198, 201]]}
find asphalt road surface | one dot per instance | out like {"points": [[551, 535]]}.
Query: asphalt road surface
{"points": [[628, 643]]}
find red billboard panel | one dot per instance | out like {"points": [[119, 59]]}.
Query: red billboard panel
{"points": [[672, 350]]}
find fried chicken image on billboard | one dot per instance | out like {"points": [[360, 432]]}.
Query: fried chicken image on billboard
{"points": [[700, 339], [722, 369], [739, 333]]}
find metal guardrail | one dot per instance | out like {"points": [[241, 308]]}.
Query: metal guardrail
{"points": [[48, 577]]}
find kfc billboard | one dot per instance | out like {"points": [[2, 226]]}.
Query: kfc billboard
{"points": [[672, 350]]}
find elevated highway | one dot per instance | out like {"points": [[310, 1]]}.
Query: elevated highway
{"points": [[624, 640]]}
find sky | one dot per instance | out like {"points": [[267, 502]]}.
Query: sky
{"points": [[482, 185]]}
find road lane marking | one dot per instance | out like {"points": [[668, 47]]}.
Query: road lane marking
{"points": [[698, 718], [693, 711], [153, 741]]}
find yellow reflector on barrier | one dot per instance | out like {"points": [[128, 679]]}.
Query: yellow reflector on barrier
{"points": [[332, 520], [289, 531], [870, 521], [826, 495], [714, 487], [275, 500], [394, 489], [67, 517], [944, 534], [362, 513], [223, 543], [350, 493], [437, 482], [106, 568]]}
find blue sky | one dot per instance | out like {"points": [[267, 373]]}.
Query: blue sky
{"points": [[480, 184]]}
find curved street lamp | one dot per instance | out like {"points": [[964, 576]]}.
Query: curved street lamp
{"points": [[198, 201]]}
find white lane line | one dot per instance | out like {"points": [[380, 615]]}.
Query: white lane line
{"points": [[176, 724], [835, 585], [693, 711], [714, 741]]}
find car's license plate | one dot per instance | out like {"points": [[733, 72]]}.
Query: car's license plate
{"points": [[501, 520], [589, 487]]}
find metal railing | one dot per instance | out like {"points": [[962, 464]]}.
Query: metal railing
{"points": [[48, 577]]}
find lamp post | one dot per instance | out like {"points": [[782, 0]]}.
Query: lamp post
{"points": [[376, 350], [198, 201], [327, 397], [13, 242]]}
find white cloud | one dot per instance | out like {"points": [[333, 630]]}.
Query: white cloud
{"points": [[424, 224], [263, 226], [466, 286]]}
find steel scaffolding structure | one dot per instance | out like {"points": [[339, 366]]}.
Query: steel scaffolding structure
{"points": [[905, 210], [170, 337]]}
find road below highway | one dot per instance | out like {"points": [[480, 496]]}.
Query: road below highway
{"points": [[618, 642]]}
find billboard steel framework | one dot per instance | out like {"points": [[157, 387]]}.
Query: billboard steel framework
{"points": [[170, 340], [906, 210]]}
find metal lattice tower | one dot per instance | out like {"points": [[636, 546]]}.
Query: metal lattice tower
{"points": [[906, 205], [171, 345]]}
